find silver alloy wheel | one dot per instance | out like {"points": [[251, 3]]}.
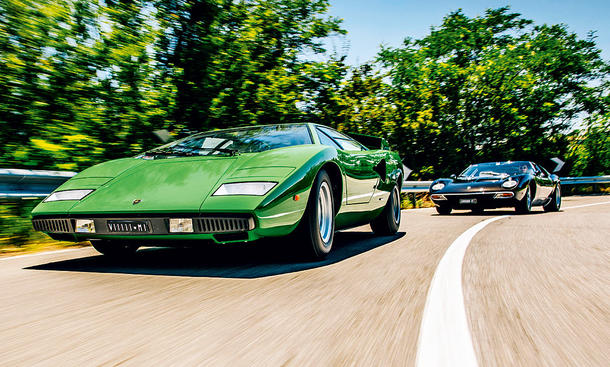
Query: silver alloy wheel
{"points": [[325, 213], [529, 199], [396, 208]]}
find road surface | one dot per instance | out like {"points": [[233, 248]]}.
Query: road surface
{"points": [[536, 291]]}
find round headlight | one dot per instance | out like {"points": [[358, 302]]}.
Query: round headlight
{"points": [[438, 186], [509, 184]]}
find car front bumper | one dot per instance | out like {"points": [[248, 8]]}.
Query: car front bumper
{"points": [[469, 200], [155, 228]]}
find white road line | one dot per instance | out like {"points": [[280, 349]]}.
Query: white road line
{"points": [[444, 335], [585, 205]]}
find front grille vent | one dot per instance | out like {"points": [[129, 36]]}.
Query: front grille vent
{"points": [[222, 224], [53, 225]]}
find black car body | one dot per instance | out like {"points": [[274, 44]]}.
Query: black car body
{"points": [[517, 184]]}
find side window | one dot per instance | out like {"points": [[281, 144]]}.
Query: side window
{"points": [[324, 139], [344, 141]]}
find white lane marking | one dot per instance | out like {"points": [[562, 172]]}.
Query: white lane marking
{"points": [[444, 335], [585, 205], [52, 252]]}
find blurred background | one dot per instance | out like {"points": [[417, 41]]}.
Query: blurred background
{"points": [[82, 82]]}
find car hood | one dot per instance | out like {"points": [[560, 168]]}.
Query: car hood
{"points": [[167, 185], [185, 184]]}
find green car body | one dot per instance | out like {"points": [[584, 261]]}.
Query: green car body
{"points": [[156, 190]]}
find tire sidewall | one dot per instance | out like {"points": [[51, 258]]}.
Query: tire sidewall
{"points": [[319, 247]]}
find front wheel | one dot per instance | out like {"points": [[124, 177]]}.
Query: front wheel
{"points": [[555, 204], [388, 221], [443, 209], [114, 249], [317, 229]]}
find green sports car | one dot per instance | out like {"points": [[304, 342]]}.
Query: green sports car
{"points": [[233, 185]]}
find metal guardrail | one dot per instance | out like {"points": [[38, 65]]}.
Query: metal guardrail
{"points": [[30, 184], [23, 183], [585, 180]]}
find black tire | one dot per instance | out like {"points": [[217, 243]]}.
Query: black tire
{"points": [[388, 221], [317, 228], [444, 209], [555, 204], [525, 205], [114, 249], [477, 210]]}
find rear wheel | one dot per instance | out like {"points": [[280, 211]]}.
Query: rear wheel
{"points": [[388, 221], [317, 228], [555, 203], [114, 249], [525, 205], [443, 209]]}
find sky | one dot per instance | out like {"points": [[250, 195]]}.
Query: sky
{"points": [[371, 23]]}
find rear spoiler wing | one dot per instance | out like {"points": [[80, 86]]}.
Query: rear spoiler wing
{"points": [[371, 142]]}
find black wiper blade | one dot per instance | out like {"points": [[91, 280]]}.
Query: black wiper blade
{"points": [[172, 152], [192, 152], [222, 150]]}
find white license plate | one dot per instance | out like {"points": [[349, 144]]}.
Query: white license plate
{"points": [[468, 201]]}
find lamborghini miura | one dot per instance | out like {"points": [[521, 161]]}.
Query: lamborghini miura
{"points": [[517, 184]]}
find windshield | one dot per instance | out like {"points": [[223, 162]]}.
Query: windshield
{"points": [[497, 169], [241, 140]]}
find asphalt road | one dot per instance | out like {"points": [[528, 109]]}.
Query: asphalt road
{"points": [[536, 290]]}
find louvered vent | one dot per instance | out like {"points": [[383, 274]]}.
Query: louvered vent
{"points": [[53, 225], [221, 224]]}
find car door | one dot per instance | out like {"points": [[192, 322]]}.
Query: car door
{"points": [[359, 165], [544, 183]]}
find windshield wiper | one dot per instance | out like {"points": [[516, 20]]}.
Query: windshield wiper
{"points": [[172, 152], [192, 152]]}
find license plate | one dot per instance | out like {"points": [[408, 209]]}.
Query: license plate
{"points": [[468, 201], [128, 226]]}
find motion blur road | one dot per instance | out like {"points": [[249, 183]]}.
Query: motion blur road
{"points": [[536, 290]]}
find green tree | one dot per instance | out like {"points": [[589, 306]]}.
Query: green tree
{"points": [[494, 87], [242, 62]]}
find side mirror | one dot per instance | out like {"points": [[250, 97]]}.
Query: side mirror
{"points": [[453, 176]]}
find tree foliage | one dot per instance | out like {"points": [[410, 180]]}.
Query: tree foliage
{"points": [[494, 87], [82, 82]]}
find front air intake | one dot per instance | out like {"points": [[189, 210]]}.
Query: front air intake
{"points": [[62, 225], [223, 224]]}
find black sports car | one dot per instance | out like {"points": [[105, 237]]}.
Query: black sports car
{"points": [[520, 184]]}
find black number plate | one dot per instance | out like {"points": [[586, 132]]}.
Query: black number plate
{"points": [[128, 226]]}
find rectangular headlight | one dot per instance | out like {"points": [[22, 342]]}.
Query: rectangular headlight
{"points": [[85, 226], [67, 195], [181, 225], [245, 188]]}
